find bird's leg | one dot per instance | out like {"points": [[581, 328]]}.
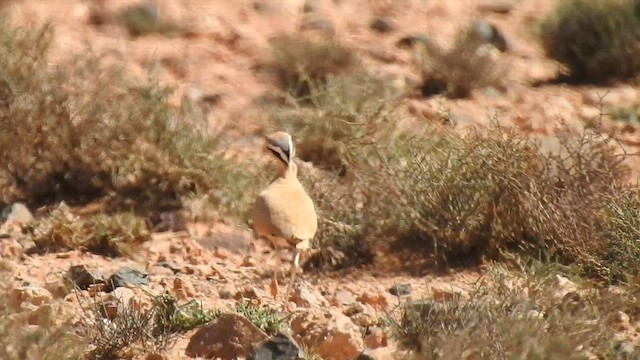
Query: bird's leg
{"points": [[294, 269], [276, 274]]}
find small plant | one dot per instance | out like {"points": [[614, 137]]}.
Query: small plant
{"points": [[109, 235], [299, 64], [172, 317], [469, 64], [264, 318], [595, 40]]}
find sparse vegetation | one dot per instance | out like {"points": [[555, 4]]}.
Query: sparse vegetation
{"points": [[300, 64], [172, 317], [595, 40], [470, 63], [263, 318], [110, 235], [82, 131], [513, 315], [343, 114], [138, 328]]}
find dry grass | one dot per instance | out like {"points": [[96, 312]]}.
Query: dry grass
{"points": [[595, 39], [470, 63], [139, 329], [114, 137], [109, 235], [338, 119], [300, 64], [518, 316]]}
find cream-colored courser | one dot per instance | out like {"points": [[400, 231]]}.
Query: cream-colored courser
{"points": [[283, 212]]}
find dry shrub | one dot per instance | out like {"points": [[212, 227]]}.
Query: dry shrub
{"points": [[341, 117], [469, 64], [137, 329], [457, 199], [109, 235], [299, 63], [516, 316], [465, 198], [82, 131], [595, 39]]}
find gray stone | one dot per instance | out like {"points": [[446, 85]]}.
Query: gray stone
{"points": [[279, 347], [128, 276], [83, 278], [400, 289]]}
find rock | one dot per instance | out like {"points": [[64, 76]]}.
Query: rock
{"points": [[128, 276], [83, 278], [382, 353], [116, 302], [375, 338], [410, 41], [563, 287], [58, 288], [175, 268], [497, 6], [183, 288], [306, 297], [400, 289], [446, 293], [344, 297], [619, 321], [489, 34], [29, 294], [310, 6], [7, 265], [362, 314], [279, 347], [229, 337], [10, 249], [228, 291], [247, 293], [339, 339], [17, 213], [41, 316], [378, 302], [317, 23], [382, 25], [160, 271]]}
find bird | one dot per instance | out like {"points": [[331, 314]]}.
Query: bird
{"points": [[283, 212]]}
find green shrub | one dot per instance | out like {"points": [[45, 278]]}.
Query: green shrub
{"points": [[299, 64], [263, 318], [82, 131], [595, 39], [109, 235], [144, 19]]}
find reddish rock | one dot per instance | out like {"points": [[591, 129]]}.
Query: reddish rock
{"points": [[230, 337]]}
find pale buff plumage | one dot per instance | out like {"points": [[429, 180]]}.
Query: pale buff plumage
{"points": [[283, 212]]}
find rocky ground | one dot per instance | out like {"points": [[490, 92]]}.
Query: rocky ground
{"points": [[218, 264]]}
